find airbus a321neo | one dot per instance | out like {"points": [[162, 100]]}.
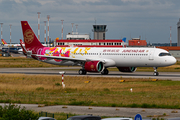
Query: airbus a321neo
{"points": [[92, 59]]}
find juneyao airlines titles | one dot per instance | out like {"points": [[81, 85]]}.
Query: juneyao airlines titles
{"points": [[93, 59]]}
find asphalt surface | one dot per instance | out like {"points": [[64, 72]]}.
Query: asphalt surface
{"points": [[105, 111], [70, 72]]}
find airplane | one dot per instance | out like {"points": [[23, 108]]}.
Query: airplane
{"points": [[10, 45], [93, 59], [13, 48]]}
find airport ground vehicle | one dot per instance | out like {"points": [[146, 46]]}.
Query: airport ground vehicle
{"points": [[46, 118], [117, 119], [85, 117]]}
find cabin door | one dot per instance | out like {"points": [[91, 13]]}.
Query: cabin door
{"points": [[151, 55]]}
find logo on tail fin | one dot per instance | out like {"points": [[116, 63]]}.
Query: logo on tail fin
{"points": [[28, 36]]}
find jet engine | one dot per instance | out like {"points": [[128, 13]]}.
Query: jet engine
{"points": [[94, 66], [127, 69]]}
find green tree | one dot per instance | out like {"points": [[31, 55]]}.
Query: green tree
{"points": [[14, 112]]}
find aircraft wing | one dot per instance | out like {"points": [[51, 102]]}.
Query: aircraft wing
{"points": [[65, 58], [106, 62]]}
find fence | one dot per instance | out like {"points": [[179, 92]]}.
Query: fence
{"points": [[46, 114]]}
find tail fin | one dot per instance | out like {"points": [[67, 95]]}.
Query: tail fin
{"points": [[30, 38], [22, 42], [3, 41], [124, 39]]}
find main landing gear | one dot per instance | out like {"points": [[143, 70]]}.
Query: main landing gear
{"points": [[82, 72], [155, 71], [105, 72]]}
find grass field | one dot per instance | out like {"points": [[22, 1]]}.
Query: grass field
{"points": [[42, 89], [22, 62]]}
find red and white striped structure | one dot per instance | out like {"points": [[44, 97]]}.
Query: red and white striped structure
{"points": [[62, 79], [170, 37], [10, 33], [62, 30], [44, 32], [48, 17], [76, 28], [1, 31], [38, 25], [72, 27], [62, 73]]}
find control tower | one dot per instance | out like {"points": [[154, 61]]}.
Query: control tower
{"points": [[99, 32], [178, 33]]}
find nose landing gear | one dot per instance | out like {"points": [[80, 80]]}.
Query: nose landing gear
{"points": [[155, 71]]}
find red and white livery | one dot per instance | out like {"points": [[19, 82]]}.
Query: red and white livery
{"points": [[95, 59]]}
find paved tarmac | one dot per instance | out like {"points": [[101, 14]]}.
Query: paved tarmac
{"points": [[105, 111], [70, 72]]}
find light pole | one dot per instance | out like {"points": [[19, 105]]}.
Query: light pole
{"points": [[44, 32], [1, 30], [38, 25], [48, 17], [10, 34], [62, 30]]}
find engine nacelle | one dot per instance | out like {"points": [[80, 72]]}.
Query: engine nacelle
{"points": [[94, 66], [127, 69]]}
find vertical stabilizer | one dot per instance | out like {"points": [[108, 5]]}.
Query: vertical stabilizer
{"points": [[30, 38], [24, 50], [3, 41]]}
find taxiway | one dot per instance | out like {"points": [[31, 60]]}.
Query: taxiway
{"points": [[73, 71]]}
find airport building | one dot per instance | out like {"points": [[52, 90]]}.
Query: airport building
{"points": [[84, 40], [137, 42], [90, 43], [77, 36], [99, 32]]}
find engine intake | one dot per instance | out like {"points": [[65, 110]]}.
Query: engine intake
{"points": [[94, 66], [127, 69]]}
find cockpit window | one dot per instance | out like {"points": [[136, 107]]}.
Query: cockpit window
{"points": [[164, 54]]}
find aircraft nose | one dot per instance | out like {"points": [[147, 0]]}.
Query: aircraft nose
{"points": [[172, 61]]}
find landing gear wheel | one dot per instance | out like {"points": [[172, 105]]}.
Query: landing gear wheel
{"points": [[156, 73], [82, 72], [105, 72]]}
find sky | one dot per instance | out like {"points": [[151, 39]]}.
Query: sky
{"points": [[148, 19]]}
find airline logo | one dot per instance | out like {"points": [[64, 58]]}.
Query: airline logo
{"points": [[3, 41], [134, 51], [28, 36], [92, 66], [63, 52]]}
